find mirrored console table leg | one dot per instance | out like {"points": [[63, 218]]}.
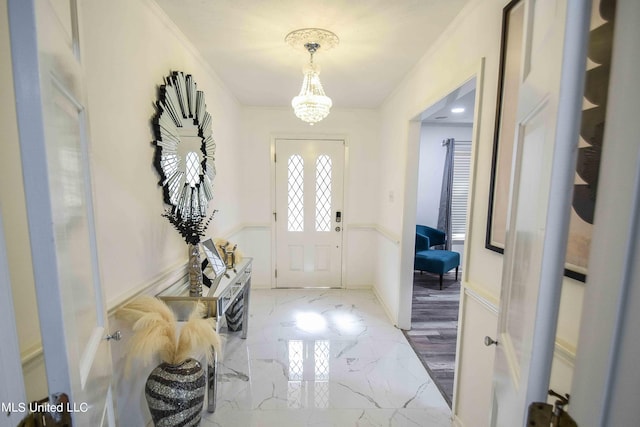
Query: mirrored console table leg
{"points": [[245, 310], [212, 384]]}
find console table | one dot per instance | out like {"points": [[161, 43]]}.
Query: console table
{"points": [[232, 287]]}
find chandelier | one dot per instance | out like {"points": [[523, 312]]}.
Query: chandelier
{"points": [[312, 104]]}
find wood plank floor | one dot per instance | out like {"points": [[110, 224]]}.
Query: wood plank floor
{"points": [[434, 324]]}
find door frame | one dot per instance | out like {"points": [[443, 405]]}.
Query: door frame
{"points": [[31, 123], [345, 182], [407, 248]]}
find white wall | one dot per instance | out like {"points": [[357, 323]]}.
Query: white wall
{"points": [[360, 128], [128, 47], [456, 57]]}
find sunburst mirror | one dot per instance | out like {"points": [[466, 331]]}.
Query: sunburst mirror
{"points": [[184, 146]]}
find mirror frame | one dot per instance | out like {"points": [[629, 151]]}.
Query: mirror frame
{"points": [[180, 102]]}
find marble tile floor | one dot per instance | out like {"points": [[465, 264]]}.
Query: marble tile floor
{"points": [[323, 358]]}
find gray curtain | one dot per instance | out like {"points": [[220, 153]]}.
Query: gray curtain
{"points": [[444, 215]]}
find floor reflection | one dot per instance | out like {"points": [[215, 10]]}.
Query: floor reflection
{"points": [[310, 357]]}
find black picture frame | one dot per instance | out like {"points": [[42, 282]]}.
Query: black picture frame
{"points": [[499, 176]]}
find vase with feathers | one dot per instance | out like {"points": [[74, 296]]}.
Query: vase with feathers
{"points": [[175, 389], [192, 228]]}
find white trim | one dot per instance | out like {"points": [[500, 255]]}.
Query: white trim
{"points": [[383, 231], [388, 234], [153, 286], [456, 422], [31, 355], [481, 296], [473, 168], [243, 226], [407, 248], [565, 351], [30, 120], [569, 114], [384, 306]]}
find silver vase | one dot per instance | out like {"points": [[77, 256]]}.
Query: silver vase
{"points": [[194, 269], [175, 394]]}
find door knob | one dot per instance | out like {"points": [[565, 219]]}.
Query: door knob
{"points": [[338, 229], [488, 341], [116, 336]]}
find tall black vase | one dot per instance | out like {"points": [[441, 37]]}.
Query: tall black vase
{"points": [[175, 394]]}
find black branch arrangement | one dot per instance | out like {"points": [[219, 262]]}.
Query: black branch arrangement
{"points": [[191, 228]]}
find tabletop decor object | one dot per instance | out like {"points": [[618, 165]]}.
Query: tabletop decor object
{"points": [[192, 229]]}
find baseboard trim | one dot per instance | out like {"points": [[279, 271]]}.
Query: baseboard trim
{"points": [[31, 356], [393, 321], [456, 422], [242, 227], [565, 352], [358, 287], [392, 237]]}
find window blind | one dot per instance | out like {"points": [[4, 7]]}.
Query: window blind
{"points": [[460, 191]]}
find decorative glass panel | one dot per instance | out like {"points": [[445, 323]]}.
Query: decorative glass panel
{"points": [[323, 193], [321, 355], [296, 371], [295, 199], [296, 360]]}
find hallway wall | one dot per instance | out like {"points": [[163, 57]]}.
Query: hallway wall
{"points": [[132, 46], [127, 49], [360, 128], [453, 59]]}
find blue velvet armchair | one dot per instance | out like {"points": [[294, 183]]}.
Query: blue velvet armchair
{"points": [[427, 237], [435, 261]]}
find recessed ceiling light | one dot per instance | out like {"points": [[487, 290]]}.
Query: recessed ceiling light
{"points": [[457, 110]]}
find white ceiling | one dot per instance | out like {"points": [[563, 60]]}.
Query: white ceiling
{"points": [[441, 112], [380, 41]]}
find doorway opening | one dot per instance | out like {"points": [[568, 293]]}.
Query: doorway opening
{"points": [[446, 126]]}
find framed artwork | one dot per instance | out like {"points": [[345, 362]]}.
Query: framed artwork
{"points": [[505, 126], [591, 132]]}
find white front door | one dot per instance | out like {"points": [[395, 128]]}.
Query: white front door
{"points": [[309, 219], [529, 277], [53, 128]]}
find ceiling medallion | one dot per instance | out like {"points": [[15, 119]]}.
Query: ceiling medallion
{"points": [[311, 105], [299, 38]]}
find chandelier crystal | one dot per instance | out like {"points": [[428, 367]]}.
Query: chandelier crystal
{"points": [[312, 104]]}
